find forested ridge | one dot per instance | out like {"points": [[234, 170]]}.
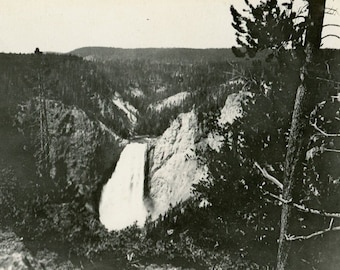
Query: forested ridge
{"points": [[156, 55]]}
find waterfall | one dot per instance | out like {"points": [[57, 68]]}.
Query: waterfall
{"points": [[121, 201]]}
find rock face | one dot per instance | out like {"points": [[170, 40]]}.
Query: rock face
{"points": [[172, 101], [130, 111], [117, 113], [77, 140], [175, 166], [233, 107], [231, 110], [80, 148]]}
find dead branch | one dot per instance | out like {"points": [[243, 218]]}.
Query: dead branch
{"points": [[331, 150], [330, 35], [337, 97], [269, 177], [331, 11], [303, 208], [305, 237], [327, 80], [328, 69], [332, 24], [323, 132]]}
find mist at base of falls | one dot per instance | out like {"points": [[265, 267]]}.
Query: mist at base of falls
{"points": [[122, 201]]}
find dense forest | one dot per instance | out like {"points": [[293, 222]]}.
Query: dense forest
{"points": [[82, 83], [156, 55]]}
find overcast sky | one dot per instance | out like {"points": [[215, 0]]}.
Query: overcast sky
{"points": [[64, 25]]}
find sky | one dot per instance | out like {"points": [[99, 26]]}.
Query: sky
{"points": [[64, 25]]}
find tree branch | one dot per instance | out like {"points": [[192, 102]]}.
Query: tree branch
{"points": [[303, 208], [323, 132], [331, 11], [337, 97], [327, 80], [332, 24], [269, 177], [331, 150], [330, 35], [305, 237]]}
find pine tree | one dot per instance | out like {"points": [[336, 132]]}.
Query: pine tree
{"points": [[44, 136], [297, 144], [270, 27], [267, 26]]}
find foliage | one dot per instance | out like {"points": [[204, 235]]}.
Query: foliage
{"points": [[234, 186], [235, 190], [268, 26], [155, 55], [7, 198]]}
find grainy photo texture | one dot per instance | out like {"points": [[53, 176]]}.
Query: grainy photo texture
{"points": [[148, 134]]}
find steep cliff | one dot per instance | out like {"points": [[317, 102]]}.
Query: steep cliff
{"points": [[175, 166], [116, 113], [80, 149], [169, 102], [174, 157]]}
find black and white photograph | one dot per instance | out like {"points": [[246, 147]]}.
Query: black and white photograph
{"points": [[170, 134]]}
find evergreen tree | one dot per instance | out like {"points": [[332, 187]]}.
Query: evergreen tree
{"points": [[297, 143], [268, 26]]}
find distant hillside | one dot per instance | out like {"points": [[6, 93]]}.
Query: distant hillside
{"points": [[175, 55], [155, 54]]}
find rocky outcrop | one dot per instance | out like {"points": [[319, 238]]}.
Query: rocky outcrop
{"points": [[130, 111], [116, 113], [15, 256], [232, 109], [174, 163], [175, 166], [169, 102]]}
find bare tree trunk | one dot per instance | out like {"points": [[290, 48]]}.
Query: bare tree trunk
{"points": [[41, 121], [43, 129], [293, 158], [46, 131], [296, 143]]}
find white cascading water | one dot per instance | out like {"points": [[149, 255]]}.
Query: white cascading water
{"points": [[121, 201]]}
